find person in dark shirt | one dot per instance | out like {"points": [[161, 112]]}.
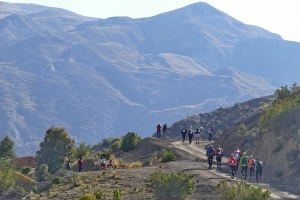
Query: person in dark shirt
{"points": [[80, 164]]}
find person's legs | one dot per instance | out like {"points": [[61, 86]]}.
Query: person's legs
{"points": [[209, 138], [80, 168], [256, 175], [210, 160], [157, 134]]}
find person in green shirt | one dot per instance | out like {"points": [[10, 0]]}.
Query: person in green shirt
{"points": [[244, 162]]}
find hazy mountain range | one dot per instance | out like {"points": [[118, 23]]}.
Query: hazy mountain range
{"points": [[104, 77]]}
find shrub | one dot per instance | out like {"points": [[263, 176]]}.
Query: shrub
{"points": [[7, 176], [76, 180], [100, 194], [42, 172], [106, 142], [82, 150], [168, 155], [106, 153], [241, 190], [172, 186], [237, 105], [116, 144], [87, 196], [242, 130], [154, 158], [26, 170], [117, 194], [35, 189], [130, 141], [57, 180], [219, 133], [293, 158], [21, 190]]}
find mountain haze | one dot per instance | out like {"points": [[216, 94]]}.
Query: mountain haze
{"points": [[104, 77]]}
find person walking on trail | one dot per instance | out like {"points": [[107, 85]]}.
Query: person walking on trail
{"points": [[219, 154], [258, 167], [244, 164], [191, 135], [164, 131], [237, 154], [80, 164], [233, 163], [158, 128], [210, 152], [183, 132], [197, 135], [251, 167], [209, 135], [66, 162]]}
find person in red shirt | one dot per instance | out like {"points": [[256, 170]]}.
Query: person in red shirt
{"points": [[158, 128], [233, 163], [251, 167], [80, 164]]}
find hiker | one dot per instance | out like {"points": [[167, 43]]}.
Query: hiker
{"points": [[209, 135], [110, 166], [191, 135], [102, 162], [251, 167], [233, 163], [244, 164], [210, 152], [158, 128], [80, 164], [66, 161], [183, 132], [258, 167], [219, 154], [164, 131], [237, 154], [197, 135]]}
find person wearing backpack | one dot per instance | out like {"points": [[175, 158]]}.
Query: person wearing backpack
{"points": [[258, 167], [237, 154], [190, 134], [251, 167], [233, 163], [244, 164], [210, 152], [197, 135], [183, 132], [158, 128], [164, 131], [219, 154]]}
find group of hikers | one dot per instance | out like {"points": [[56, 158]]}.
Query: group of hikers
{"points": [[196, 134], [101, 163], [164, 130], [237, 159]]}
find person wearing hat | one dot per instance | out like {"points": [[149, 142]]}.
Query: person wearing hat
{"points": [[233, 163], [237, 154], [210, 152], [244, 162], [251, 167], [219, 154], [258, 167]]}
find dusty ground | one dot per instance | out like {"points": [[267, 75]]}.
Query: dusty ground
{"points": [[190, 158]]}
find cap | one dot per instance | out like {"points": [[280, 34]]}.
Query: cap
{"points": [[257, 158], [244, 153], [251, 156]]}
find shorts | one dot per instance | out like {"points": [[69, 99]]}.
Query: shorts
{"points": [[197, 135]]}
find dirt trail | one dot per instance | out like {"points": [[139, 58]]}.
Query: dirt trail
{"points": [[198, 151]]}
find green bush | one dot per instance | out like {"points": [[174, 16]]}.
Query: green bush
{"points": [[35, 189], [174, 186], [168, 155], [242, 130], [21, 190], [57, 180], [154, 158], [100, 194], [106, 142], [87, 196], [42, 172], [241, 190], [116, 144], [293, 158], [26, 170], [76, 180], [130, 141], [7, 176], [82, 150], [117, 194], [106, 153]]}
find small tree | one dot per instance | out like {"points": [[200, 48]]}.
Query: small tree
{"points": [[174, 186], [130, 141], [82, 150], [7, 148], [7, 176], [42, 172], [242, 129], [57, 142], [116, 144]]}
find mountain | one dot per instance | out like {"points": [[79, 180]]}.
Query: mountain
{"points": [[104, 77]]}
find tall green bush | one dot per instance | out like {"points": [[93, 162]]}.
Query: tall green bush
{"points": [[168, 155], [26, 170], [130, 141], [7, 176], [42, 172], [116, 144]]}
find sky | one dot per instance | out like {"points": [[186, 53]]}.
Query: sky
{"points": [[278, 16]]}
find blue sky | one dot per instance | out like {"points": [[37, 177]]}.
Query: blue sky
{"points": [[279, 16]]}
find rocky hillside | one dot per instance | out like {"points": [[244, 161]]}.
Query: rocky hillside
{"points": [[104, 77]]}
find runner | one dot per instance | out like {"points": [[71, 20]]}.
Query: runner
{"points": [[233, 163], [219, 154], [210, 155], [183, 132], [251, 167], [190, 134], [244, 164], [258, 169], [197, 135]]}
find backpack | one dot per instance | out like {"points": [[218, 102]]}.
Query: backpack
{"points": [[236, 155], [245, 161], [211, 151], [183, 130], [258, 165]]}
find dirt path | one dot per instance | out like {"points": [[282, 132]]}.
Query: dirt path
{"points": [[198, 151]]}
